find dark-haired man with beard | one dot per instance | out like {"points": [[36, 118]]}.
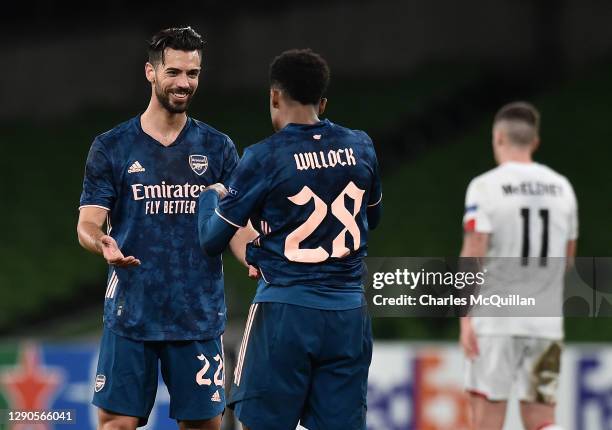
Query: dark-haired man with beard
{"points": [[164, 301]]}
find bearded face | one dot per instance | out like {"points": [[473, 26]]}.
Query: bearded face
{"points": [[175, 79], [174, 99]]}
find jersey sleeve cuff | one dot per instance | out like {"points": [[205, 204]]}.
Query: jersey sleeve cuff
{"points": [[93, 205], [377, 202], [227, 220]]}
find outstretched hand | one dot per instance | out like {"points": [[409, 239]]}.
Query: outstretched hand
{"points": [[113, 255]]}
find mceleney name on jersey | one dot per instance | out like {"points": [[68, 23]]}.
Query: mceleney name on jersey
{"points": [[529, 210]]}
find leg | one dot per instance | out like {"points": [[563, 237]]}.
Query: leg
{"points": [[489, 380], [537, 416], [194, 374], [126, 382], [272, 376], [538, 381], [487, 415], [211, 424], [338, 386], [110, 421]]}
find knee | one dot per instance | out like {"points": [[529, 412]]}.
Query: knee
{"points": [[108, 421], [537, 416], [211, 424], [116, 425]]}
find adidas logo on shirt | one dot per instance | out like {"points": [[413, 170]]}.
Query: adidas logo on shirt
{"points": [[136, 168], [216, 397]]}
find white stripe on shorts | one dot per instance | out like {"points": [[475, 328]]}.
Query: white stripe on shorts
{"points": [[245, 342]]}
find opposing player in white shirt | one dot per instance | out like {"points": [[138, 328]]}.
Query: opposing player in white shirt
{"points": [[519, 209]]}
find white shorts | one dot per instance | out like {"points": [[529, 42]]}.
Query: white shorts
{"points": [[529, 364]]}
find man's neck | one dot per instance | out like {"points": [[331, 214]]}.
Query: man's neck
{"points": [[301, 115], [516, 157], [520, 160], [160, 124]]}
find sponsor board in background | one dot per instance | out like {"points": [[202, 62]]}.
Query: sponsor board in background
{"points": [[41, 376], [411, 386], [419, 387]]}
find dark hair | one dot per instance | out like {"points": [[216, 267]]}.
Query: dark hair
{"points": [[182, 39], [302, 73], [521, 112]]}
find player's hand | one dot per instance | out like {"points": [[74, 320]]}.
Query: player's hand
{"points": [[113, 254], [254, 272], [219, 188], [468, 339]]}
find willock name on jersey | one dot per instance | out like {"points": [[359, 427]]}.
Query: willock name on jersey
{"points": [[151, 192], [306, 189]]}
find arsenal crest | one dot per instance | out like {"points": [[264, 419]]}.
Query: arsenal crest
{"points": [[198, 163], [100, 382]]}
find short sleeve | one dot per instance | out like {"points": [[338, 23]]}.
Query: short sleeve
{"points": [[98, 188], [230, 160], [376, 188], [475, 218], [573, 216], [247, 188]]}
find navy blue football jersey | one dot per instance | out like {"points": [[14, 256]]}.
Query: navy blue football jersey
{"points": [[306, 189], [151, 192]]}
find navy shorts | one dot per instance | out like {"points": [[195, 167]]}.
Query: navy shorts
{"points": [[126, 379], [303, 364]]}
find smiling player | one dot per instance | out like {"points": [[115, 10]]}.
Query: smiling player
{"points": [[164, 300]]}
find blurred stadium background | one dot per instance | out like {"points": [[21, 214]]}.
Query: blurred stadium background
{"points": [[422, 78]]}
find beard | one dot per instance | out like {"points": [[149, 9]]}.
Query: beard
{"points": [[170, 106]]}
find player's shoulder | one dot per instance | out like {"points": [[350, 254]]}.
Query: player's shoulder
{"points": [[264, 147], [211, 133], [487, 177], [553, 173], [277, 141], [509, 171], [356, 135], [118, 134]]}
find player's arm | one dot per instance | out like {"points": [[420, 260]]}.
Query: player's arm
{"points": [[374, 213], [477, 228], [98, 197], [572, 246], [374, 208], [475, 245], [92, 238], [221, 214], [572, 243], [240, 240], [214, 232], [243, 235]]}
